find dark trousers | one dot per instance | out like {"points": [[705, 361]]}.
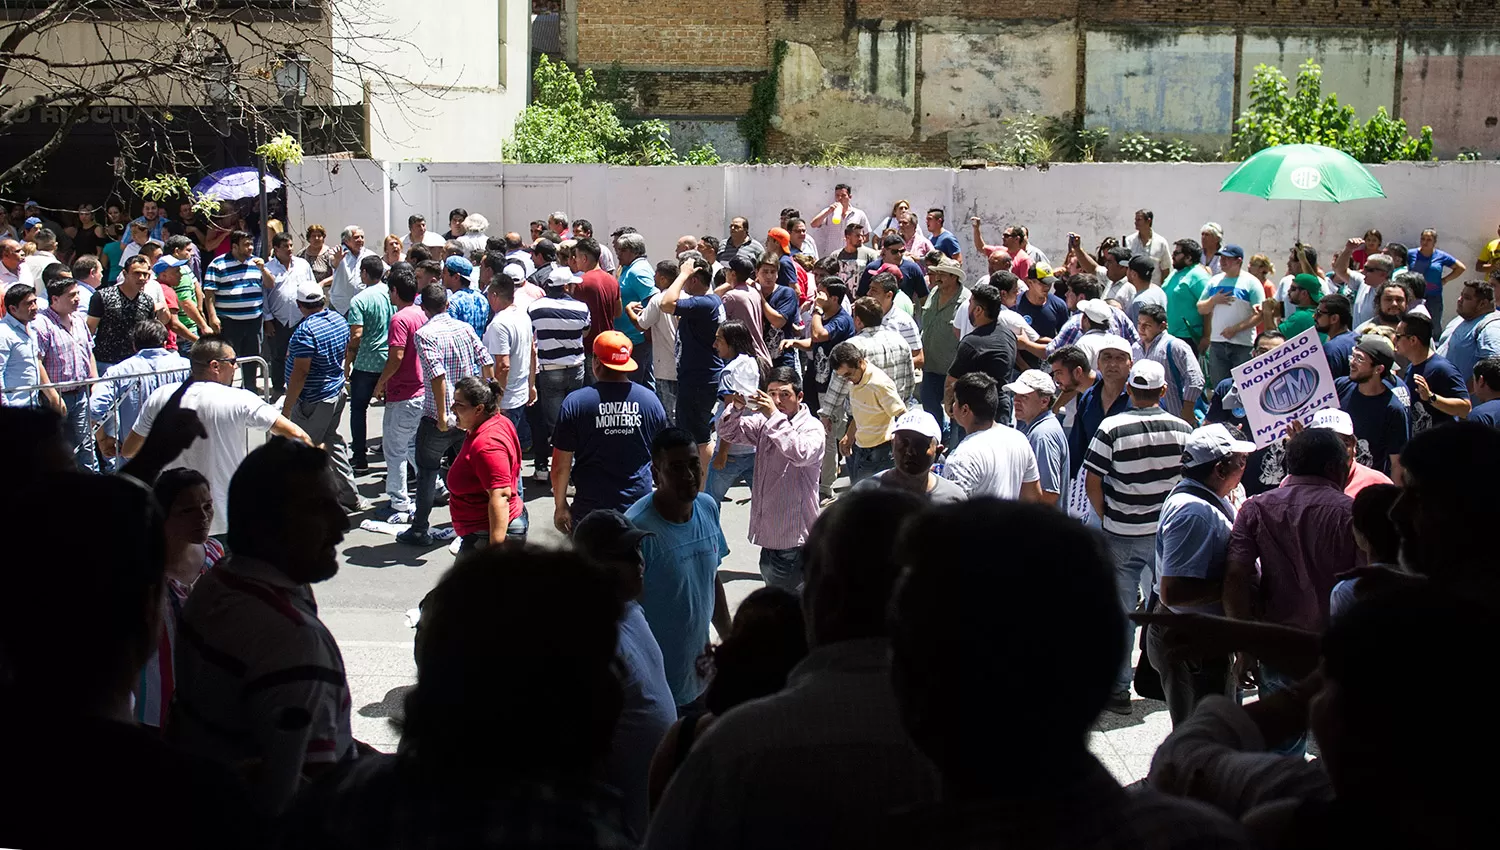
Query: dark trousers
{"points": [[432, 444], [552, 386], [276, 355], [644, 367], [361, 390], [1187, 682], [932, 401], [515, 533], [243, 335]]}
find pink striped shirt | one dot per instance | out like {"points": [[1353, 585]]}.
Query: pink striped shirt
{"points": [[789, 459], [65, 345]]}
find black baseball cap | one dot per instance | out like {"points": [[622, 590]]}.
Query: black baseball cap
{"points": [[607, 533]]}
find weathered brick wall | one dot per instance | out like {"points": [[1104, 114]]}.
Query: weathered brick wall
{"points": [[699, 94], [659, 35]]}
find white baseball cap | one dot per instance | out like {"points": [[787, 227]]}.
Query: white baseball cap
{"points": [[1213, 443], [1097, 311], [920, 421], [1032, 381], [1111, 342], [309, 292], [1334, 420], [562, 276], [1147, 375]]}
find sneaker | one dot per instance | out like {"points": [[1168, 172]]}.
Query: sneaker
{"points": [[399, 518], [444, 533], [542, 476], [360, 465], [361, 506], [414, 538], [1119, 702], [827, 500]]}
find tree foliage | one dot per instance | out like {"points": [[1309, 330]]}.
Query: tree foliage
{"points": [[570, 121], [1278, 115]]}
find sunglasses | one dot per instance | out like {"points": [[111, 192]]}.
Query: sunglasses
{"points": [[230, 360]]}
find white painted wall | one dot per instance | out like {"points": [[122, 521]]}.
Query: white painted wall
{"points": [[1460, 199], [449, 87]]}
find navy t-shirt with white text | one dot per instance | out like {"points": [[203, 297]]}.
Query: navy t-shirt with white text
{"points": [[1047, 318], [1380, 424], [609, 428]]}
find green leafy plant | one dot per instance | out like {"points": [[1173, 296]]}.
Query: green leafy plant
{"points": [[1468, 155], [1024, 141], [1279, 114], [755, 124], [571, 121], [1072, 141], [164, 187], [281, 151], [702, 154], [1139, 147]]}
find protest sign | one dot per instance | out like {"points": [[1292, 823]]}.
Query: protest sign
{"points": [[1291, 381]]}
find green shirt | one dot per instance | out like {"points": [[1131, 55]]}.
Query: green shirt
{"points": [[1184, 290], [939, 343], [371, 309], [1298, 321], [187, 291]]}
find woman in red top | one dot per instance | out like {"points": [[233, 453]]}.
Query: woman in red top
{"points": [[484, 489]]}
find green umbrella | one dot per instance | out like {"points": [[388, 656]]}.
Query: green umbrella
{"points": [[1303, 173]]}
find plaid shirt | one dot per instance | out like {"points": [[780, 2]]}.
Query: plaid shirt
{"points": [[67, 349], [884, 349], [450, 349], [1119, 325]]}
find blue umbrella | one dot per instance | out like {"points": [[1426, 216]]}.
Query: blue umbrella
{"points": [[233, 184]]}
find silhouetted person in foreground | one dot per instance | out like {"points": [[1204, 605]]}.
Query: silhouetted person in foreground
{"points": [[1002, 700]]}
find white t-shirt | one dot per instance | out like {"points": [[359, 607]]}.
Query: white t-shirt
{"points": [[663, 329], [1158, 249], [346, 280], [430, 239], [1247, 292], [993, 462], [227, 414], [509, 332], [281, 301], [1121, 292]]}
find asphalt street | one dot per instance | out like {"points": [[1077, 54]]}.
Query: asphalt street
{"points": [[379, 580]]}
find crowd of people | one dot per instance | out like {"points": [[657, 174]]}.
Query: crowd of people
{"points": [[1080, 414]]}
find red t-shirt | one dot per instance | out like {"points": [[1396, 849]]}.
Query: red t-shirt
{"points": [[602, 293], [406, 383], [490, 458], [169, 295]]}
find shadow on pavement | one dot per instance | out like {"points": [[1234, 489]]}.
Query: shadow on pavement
{"points": [[1108, 721], [390, 554], [391, 705]]}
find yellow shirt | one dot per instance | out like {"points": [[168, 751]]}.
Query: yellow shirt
{"points": [[875, 406], [1491, 252]]}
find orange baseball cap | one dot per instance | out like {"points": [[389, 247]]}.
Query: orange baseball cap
{"points": [[781, 237], [612, 349]]}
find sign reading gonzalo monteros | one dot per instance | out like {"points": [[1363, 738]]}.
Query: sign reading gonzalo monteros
{"points": [[1291, 381]]}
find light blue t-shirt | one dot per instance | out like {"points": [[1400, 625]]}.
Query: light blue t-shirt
{"points": [[647, 714], [1468, 341], [1050, 444], [682, 562], [637, 285], [1192, 540]]}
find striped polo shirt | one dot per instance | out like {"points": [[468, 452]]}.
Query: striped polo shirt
{"points": [[1138, 454], [259, 678], [236, 288], [322, 339], [558, 323]]}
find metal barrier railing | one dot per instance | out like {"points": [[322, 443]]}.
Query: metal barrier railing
{"points": [[65, 386]]}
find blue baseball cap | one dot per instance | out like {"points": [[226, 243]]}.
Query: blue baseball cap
{"points": [[167, 261], [32, 222], [458, 265], [1234, 251]]}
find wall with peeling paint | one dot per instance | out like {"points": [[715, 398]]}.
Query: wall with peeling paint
{"points": [[973, 80], [1176, 85], [1452, 84], [1360, 67]]}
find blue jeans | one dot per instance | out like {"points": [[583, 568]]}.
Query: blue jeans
{"points": [[399, 444], [736, 468], [1434, 304], [432, 444], [361, 390], [1222, 358], [667, 391], [1134, 558], [864, 463], [518, 418], [1271, 681], [782, 568], [644, 364], [932, 400], [76, 429], [515, 533], [552, 386]]}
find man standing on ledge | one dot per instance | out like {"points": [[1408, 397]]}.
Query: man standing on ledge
{"points": [[608, 426]]}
